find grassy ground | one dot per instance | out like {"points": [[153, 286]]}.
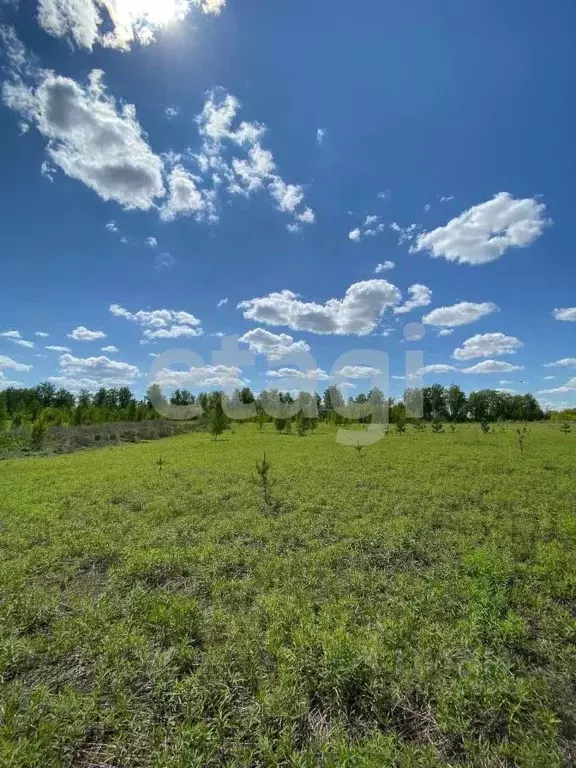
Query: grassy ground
{"points": [[410, 606]]}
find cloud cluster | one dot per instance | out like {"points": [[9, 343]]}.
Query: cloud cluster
{"points": [[124, 21], [78, 373], [358, 371], [316, 374], [384, 266], [568, 314], [565, 362], [485, 232], [371, 227], [487, 345], [83, 334], [91, 138], [421, 297], [570, 386], [161, 323], [493, 366], [464, 313], [358, 313], [273, 345], [16, 338], [221, 376], [7, 362]]}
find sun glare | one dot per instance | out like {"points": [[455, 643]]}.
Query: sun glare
{"points": [[159, 13]]}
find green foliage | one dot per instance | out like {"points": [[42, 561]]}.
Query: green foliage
{"points": [[280, 424], [400, 426], [217, 419], [38, 435], [301, 423], [485, 427], [437, 427], [565, 428]]}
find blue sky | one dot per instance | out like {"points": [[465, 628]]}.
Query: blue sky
{"points": [[273, 154]]}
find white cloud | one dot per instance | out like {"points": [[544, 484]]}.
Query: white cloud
{"points": [[171, 112], [371, 227], [273, 345], [187, 198], [221, 303], [151, 242], [503, 382], [405, 234], [293, 373], [549, 378], [16, 338], [83, 334], [8, 362], [485, 232], [487, 345], [566, 362], [320, 134], [251, 167], [463, 313], [124, 21], [493, 366], [358, 313], [445, 331], [570, 386], [111, 226], [567, 314], [358, 371], [4, 382], [41, 334], [446, 198], [221, 376], [427, 207], [55, 348], [97, 367], [91, 138], [383, 266], [110, 348], [161, 323], [436, 368], [421, 297]]}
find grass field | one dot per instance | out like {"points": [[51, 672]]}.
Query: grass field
{"points": [[413, 605]]}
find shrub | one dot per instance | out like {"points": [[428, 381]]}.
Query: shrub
{"points": [[437, 427]]}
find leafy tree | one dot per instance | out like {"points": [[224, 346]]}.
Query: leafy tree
{"points": [[456, 403], [217, 419]]}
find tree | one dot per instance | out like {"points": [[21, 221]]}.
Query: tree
{"points": [[301, 424], [217, 419], [456, 403], [3, 413]]}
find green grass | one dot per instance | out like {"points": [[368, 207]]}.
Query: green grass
{"points": [[410, 606]]}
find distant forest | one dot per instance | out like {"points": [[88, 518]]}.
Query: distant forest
{"points": [[54, 407]]}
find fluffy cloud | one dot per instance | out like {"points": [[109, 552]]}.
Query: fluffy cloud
{"points": [[371, 227], [91, 138], [221, 376], [161, 323], [186, 197], [110, 349], [436, 368], [493, 366], [41, 334], [129, 20], [445, 331], [358, 371], [151, 242], [463, 313], [55, 348], [421, 297], [8, 362], [570, 386], [357, 313], [97, 366], [83, 334], [16, 338], [485, 232], [487, 345], [566, 362], [293, 373], [273, 345], [567, 314], [384, 266], [233, 155]]}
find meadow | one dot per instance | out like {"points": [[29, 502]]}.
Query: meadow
{"points": [[409, 604]]}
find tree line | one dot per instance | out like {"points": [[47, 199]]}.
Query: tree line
{"points": [[52, 406]]}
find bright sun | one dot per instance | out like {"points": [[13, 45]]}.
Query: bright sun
{"points": [[159, 13]]}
